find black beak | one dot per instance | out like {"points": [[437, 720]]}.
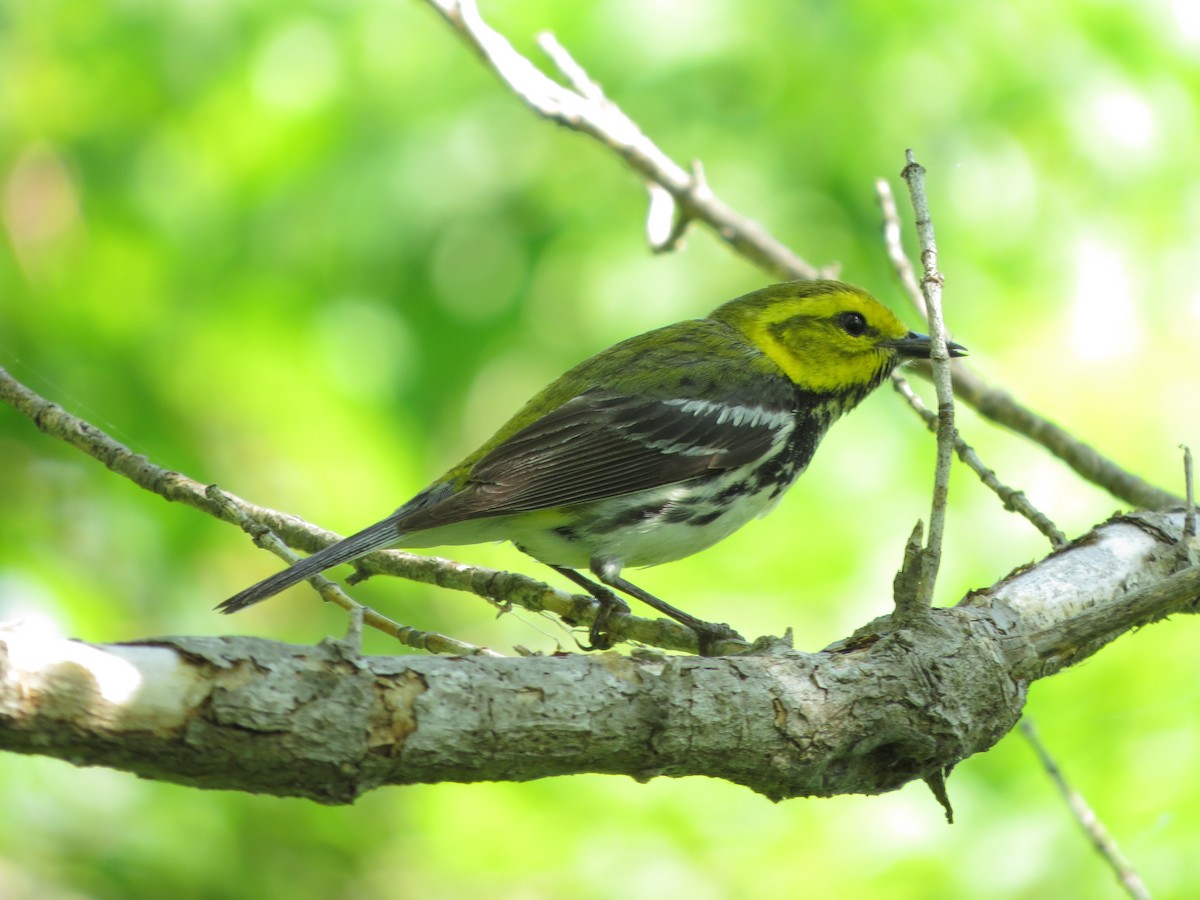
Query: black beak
{"points": [[920, 346]]}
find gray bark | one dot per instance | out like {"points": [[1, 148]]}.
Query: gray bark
{"points": [[866, 715]]}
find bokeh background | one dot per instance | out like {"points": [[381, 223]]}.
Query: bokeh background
{"points": [[313, 252]]}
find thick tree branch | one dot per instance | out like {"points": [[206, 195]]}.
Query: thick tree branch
{"points": [[864, 716], [1119, 576]]}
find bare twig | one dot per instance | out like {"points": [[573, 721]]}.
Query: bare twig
{"points": [[492, 585], [583, 84], [931, 288], [665, 227], [999, 406], [1189, 549], [895, 248], [1087, 819], [361, 615], [584, 108], [1014, 500]]}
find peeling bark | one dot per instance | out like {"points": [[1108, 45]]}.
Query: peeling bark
{"points": [[867, 715]]}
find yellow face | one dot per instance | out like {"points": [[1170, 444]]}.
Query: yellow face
{"points": [[826, 336]]}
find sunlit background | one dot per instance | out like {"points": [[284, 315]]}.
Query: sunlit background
{"points": [[313, 252]]}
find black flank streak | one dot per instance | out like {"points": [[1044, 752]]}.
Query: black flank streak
{"points": [[732, 492], [706, 519]]}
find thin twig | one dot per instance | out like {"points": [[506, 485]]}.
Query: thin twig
{"points": [[583, 83], [1087, 818], [895, 248], [1014, 500], [931, 288], [431, 641], [665, 226], [999, 406], [584, 108], [491, 584]]}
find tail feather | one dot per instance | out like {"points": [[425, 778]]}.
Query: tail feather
{"points": [[381, 534]]}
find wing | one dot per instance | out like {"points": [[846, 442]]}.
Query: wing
{"points": [[603, 444]]}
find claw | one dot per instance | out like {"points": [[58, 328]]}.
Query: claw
{"points": [[610, 605]]}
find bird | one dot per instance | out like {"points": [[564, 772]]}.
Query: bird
{"points": [[654, 449]]}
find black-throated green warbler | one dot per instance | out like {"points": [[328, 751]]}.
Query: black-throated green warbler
{"points": [[656, 448]]}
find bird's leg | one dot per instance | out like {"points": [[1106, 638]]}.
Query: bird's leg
{"points": [[707, 633], [609, 603]]}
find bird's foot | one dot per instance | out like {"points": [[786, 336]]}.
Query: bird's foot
{"points": [[710, 635], [610, 605]]}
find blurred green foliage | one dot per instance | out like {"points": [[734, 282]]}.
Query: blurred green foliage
{"points": [[313, 252]]}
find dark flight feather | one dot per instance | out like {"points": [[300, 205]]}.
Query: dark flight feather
{"points": [[602, 445]]}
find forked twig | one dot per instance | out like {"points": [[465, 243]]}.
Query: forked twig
{"points": [[1014, 500], [1000, 407], [931, 289], [583, 107]]}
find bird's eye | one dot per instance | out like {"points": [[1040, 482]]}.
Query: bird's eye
{"points": [[853, 323]]}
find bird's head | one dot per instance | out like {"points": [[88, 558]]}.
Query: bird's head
{"points": [[827, 336]]}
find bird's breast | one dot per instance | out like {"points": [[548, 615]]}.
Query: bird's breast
{"points": [[665, 523]]}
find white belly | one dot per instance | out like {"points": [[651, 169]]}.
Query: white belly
{"points": [[648, 527]]}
